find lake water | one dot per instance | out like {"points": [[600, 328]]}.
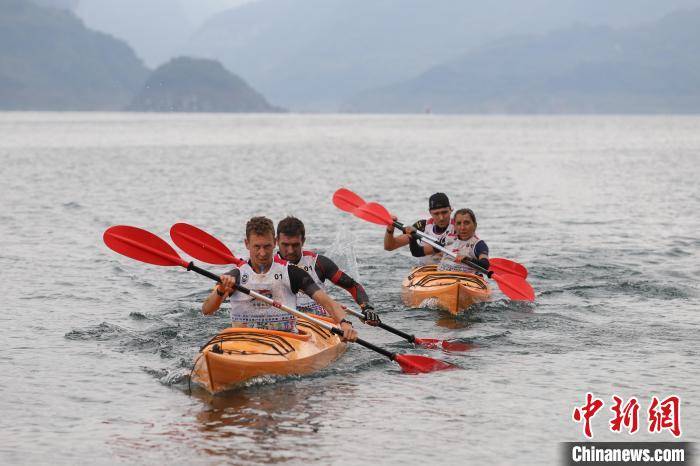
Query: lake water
{"points": [[97, 348]]}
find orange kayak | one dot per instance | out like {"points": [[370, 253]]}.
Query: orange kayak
{"points": [[451, 291], [238, 354]]}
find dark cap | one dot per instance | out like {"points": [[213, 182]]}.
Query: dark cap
{"points": [[438, 201]]}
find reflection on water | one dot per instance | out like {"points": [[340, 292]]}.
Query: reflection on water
{"points": [[268, 421]]}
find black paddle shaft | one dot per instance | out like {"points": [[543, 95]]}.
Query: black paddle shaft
{"points": [[405, 336], [367, 345], [335, 330]]}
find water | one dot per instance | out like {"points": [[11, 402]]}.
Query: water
{"points": [[97, 348]]}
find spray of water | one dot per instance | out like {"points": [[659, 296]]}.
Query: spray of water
{"points": [[342, 252]]}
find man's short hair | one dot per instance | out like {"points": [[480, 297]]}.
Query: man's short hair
{"points": [[291, 226], [260, 226]]}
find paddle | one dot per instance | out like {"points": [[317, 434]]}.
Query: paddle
{"points": [[348, 201], [513, 286], [498, 264], [144, 246], [205, 247]]}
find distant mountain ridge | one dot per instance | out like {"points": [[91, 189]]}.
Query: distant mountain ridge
{"points": [[197, 85], [647, 69], [155, 29], [316, 54], [50, 61]]}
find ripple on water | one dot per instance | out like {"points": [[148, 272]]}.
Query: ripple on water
{"points": [[101, 332]]}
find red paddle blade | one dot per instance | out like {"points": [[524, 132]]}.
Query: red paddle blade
{"points": [[201, 245], [141, 245], [500, 265], [415, 364], [516, 288], [456, 346], [346, 200], [434, 343], [375, 213]]}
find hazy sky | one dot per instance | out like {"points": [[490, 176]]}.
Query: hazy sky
{"points": [[198, 11]]}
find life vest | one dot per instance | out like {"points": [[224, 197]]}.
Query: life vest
{"points": [[459, 248], [449, 235], [304, 302], [273, 284]]}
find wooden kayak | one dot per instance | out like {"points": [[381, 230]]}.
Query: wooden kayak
{"points": [[448, 290], [238, 354]]}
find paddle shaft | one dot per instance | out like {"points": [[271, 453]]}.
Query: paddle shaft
{"points": [[291, 311], [382, 325], [431, 241]]}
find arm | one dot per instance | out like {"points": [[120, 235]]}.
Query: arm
{"points": [[326, 269], [220, 292], [392, 242], [334, 309], [301, 280], [420, 250], [481, 251]]}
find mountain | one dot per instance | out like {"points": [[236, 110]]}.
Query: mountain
{"points": [[50, 61], [315, 54], [197, 85], [646, 69], [156, 29]]}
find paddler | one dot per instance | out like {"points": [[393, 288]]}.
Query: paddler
{"points": [[466, 245], [272, 276], [439, 226], [291, 236]]}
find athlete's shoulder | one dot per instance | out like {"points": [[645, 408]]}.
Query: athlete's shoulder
{"points": [[420, 224], [309, 253], [279, 260]]}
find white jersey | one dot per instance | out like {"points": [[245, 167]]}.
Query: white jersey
{"points": [[460, 247], [306, 303], [273, 284], [448, 235]]}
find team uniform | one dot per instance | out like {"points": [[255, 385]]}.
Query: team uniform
{"points": [[442, 237], [281, 282], [470, 248], [321, 268]]}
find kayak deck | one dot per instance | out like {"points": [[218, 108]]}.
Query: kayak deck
{"points": [[238, 354], [451, 291]]}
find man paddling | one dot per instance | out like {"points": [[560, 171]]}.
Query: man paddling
{"points": [[291, 236], [439, 226], [272, 276]]}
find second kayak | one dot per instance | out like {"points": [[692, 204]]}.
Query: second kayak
{"points": [[238, 354], [451, 291]]}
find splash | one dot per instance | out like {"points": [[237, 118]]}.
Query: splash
{"points": [[342, 252]]}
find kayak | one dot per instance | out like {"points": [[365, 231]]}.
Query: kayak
{"points": [[239, 354], [448, 290]]}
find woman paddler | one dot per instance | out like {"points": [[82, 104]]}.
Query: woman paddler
{"points": [[466, 245]]}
